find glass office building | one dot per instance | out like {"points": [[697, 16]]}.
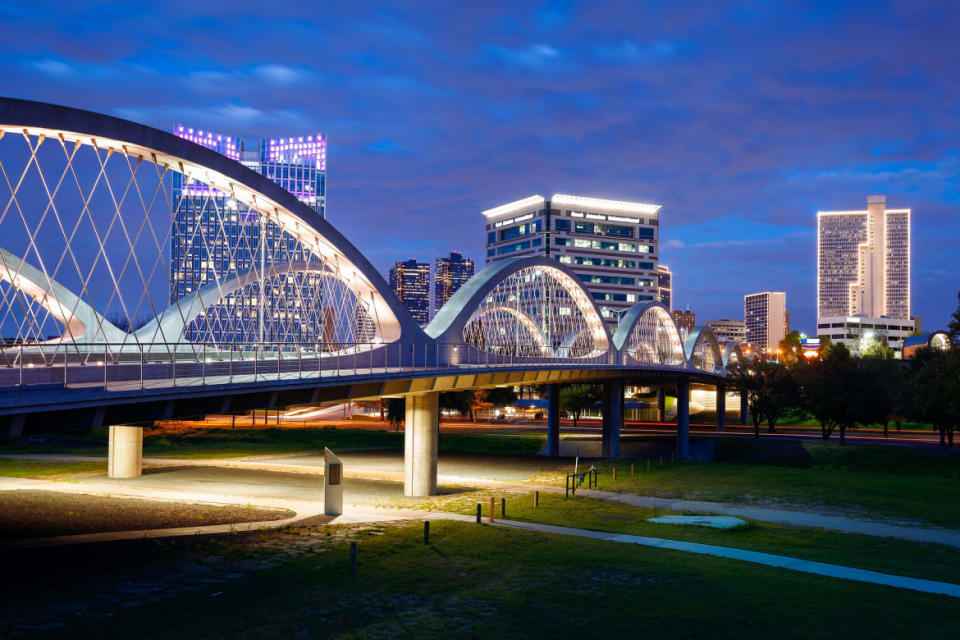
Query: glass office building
{"points": [[214, 237], [611, 245], [410, 280], [449, 274]]}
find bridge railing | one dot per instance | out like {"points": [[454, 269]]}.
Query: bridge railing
{"points": [[126, 366]]}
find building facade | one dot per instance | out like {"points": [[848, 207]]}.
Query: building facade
{"points": [[685, 321], [727, 330], [858, 332], [213, 236], [410, 280], [449, 274], [764, 315], [863, 262], [611, 245], [665, 286]]}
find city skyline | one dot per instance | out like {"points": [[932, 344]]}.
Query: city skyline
{"points": [[402, 101]]}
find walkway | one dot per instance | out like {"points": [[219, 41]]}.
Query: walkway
{"points": [[767, 559]]}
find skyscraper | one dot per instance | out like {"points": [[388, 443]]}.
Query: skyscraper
{"points": [[665, 286], [685, 321], [765, 317], [612, 246], [213, 237], [727, 330], [863, 262], [410, 280], [450, 273]]}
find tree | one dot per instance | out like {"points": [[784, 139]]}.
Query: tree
{"points": [[769, 388], [457, 401], [953, 327], [501, 397], [478, 403], [577, 398], [396, 411], [837, 392], [790, 346], [936, 393], [875, 349], [886, 393]]}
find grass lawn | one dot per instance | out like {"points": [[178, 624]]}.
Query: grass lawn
{"points": [[229, 443], [888, 555], [480, 581], [21, 468], [891, 482]]}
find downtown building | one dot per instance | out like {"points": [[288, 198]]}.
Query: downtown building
{"points": [[665, 286], [213, 236], [449, 274], [410, 281], [863, 275], [765, 318], [727, 330], [612, 246]]}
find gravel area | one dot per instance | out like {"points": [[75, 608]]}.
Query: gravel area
{"points": [[35, 514]]}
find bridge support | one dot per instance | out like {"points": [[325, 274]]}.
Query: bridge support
{"points": [[744, 411], [553, 420], [683, 420], [612, 417], [721, 407], [661, 405], [125, 454], [421, 432]]}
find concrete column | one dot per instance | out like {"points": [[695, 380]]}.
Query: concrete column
{"points": [[125, 453], [612, 417], [661, 405], [683, 420], [721, 407], [553, 420], [421, 433], [744, 411]]}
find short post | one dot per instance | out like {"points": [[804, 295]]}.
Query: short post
{"points": [[536, 499], [479, 511], [503, 508], [648, 464], [661, 461], [426, 532], [614, 472], [332, 484], [491, 509], [353, 558], [631, 468]]}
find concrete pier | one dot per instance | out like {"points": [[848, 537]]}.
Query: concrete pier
{"points": [[421, 434], [125, 452]]}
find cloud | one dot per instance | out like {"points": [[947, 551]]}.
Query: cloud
{"points": [[534, 57], [632, 52]]}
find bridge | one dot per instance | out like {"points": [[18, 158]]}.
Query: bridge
{"points": [[100, 220]]}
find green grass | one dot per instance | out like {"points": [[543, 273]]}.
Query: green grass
{"points": [[887, 482], [479, 581], [228, 443], [24, 468], [887, 555]]}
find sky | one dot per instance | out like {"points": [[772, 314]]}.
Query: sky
{"points": [[741, 119]]}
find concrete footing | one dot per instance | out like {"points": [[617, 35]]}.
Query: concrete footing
{"points": [[421, 434], [125, 454]]}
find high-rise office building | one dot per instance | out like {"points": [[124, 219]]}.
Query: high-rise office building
{"points": [[410, 280], [213, 236], [765, 317], [727, 330], [685, 321], [665, 286], [450, 273], [611, 245], [863, 262]]}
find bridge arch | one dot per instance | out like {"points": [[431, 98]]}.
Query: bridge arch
{"points": [[732, 353], [703, 351], [54, 212], [526, 307], [647, 335]]}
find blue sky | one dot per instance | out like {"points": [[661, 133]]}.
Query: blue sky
{"points": [[741, 119]]}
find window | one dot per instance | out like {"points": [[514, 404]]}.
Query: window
{"points": [[614, 297], [595, 229], [645, 233], [491, 237], [606, 279], [510, 248], [562, 242], [536, 242], [561, 224]]}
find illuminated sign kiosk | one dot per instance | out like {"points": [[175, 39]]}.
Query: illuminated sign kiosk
{"points": [[332, 484]]}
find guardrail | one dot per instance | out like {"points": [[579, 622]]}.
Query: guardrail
{"points": [[131, 365], [576, 479]]}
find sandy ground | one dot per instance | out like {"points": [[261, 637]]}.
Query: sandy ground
{"points": [[34, 514]]}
